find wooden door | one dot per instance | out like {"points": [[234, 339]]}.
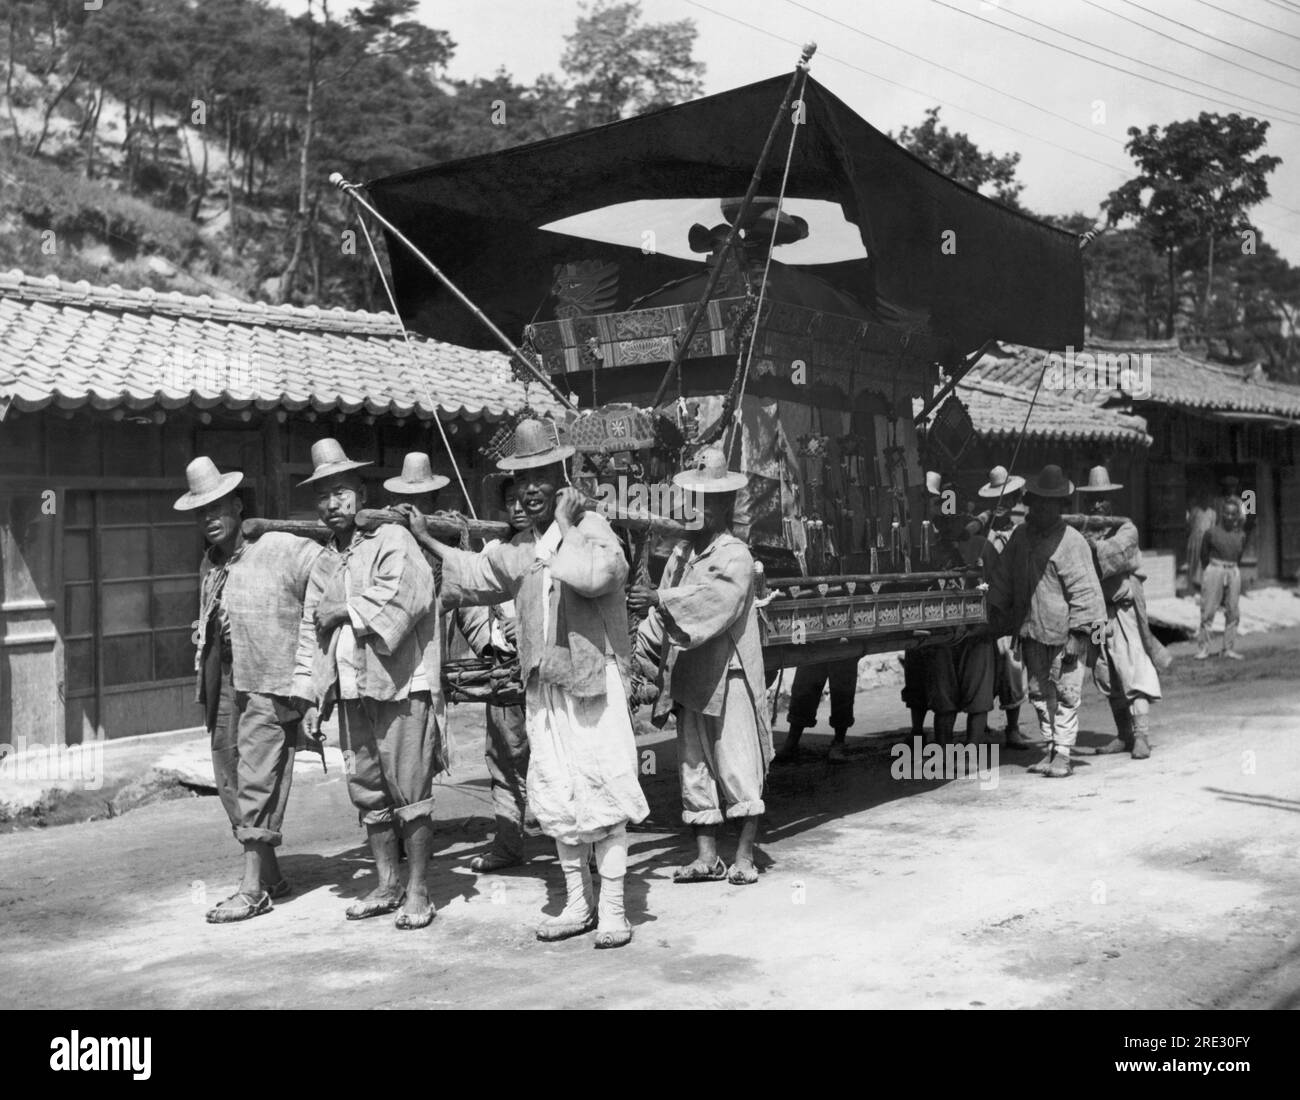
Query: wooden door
{"points": [[1167, 508], [130, 598], [1289, 520]]}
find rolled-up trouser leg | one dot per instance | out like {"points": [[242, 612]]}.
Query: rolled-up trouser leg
{"points": [[389, 748], [507, 764], [266, 734], [701, 804], [721, 759]]}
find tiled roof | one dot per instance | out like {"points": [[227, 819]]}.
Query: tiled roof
{"points": [[74, 344], [1175, 379], [998, 411]]}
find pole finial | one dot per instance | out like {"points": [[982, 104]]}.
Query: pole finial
{"points": [[809, 49], [337, 180]]}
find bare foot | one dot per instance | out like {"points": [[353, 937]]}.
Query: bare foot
{"points": [[380, 900], [417, 901]]}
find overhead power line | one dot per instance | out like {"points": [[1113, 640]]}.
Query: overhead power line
{"points": [[1245, 19], [980, 83], [1189, 45], [1217, 38], [1140, 62], [1285, 7], [1124, 172], [990, 87], [907, 87]]}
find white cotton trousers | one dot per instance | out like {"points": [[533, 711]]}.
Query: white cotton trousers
{"points": [[583, 780]]}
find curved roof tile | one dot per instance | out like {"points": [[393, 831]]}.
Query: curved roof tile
{"points": [[73, 344], [1166, 375], [998, 411]]}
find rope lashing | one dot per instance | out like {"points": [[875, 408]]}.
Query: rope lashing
{"points": [[683, 339], [1021, 438], [354, 192], [429, 402], [738, 411]]}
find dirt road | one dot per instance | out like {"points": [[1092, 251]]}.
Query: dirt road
{"points": [[1165, 883]]}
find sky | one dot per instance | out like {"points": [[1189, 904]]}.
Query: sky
{"points": [[890, 60]]}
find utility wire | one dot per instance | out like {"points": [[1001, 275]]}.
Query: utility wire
{"points": [[999, 91], [930, 96], [1198, 49], [1245, 19], [1140, 62], [1188, 45], [963, 76], [1106, 64], [1216, 38]]}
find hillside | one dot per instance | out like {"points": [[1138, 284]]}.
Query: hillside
{"points": [[187, 144]]}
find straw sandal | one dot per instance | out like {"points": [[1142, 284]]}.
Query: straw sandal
{"points": [[692, 873], [254, 906]]}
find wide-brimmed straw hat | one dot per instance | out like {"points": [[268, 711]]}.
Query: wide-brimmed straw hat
{"points": [[417, 476], [1001, 483], [1099, 481], [536, 443], [206, 483], [1050, 481], [328, 458], [710, 474]]}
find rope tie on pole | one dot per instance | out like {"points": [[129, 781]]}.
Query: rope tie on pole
{"points": [[430, 403], [738, 412]]}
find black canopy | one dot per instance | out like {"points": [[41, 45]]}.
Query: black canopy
{"points": [[934, 247]]}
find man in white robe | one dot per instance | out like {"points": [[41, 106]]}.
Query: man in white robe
{"points": [[566, 575]]}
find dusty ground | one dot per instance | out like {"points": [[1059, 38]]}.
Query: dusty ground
{"points": [[1165, 883]]}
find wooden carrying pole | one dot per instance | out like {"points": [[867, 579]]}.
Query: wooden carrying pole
{"points": [[450, 529], [370, 518]]}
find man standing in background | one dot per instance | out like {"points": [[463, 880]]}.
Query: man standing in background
{"points": [[1125, 672], [1045, 591], [1004, 490], [1221, 549]]}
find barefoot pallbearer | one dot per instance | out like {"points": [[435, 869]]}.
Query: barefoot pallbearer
{"points": [[369, 645]]}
